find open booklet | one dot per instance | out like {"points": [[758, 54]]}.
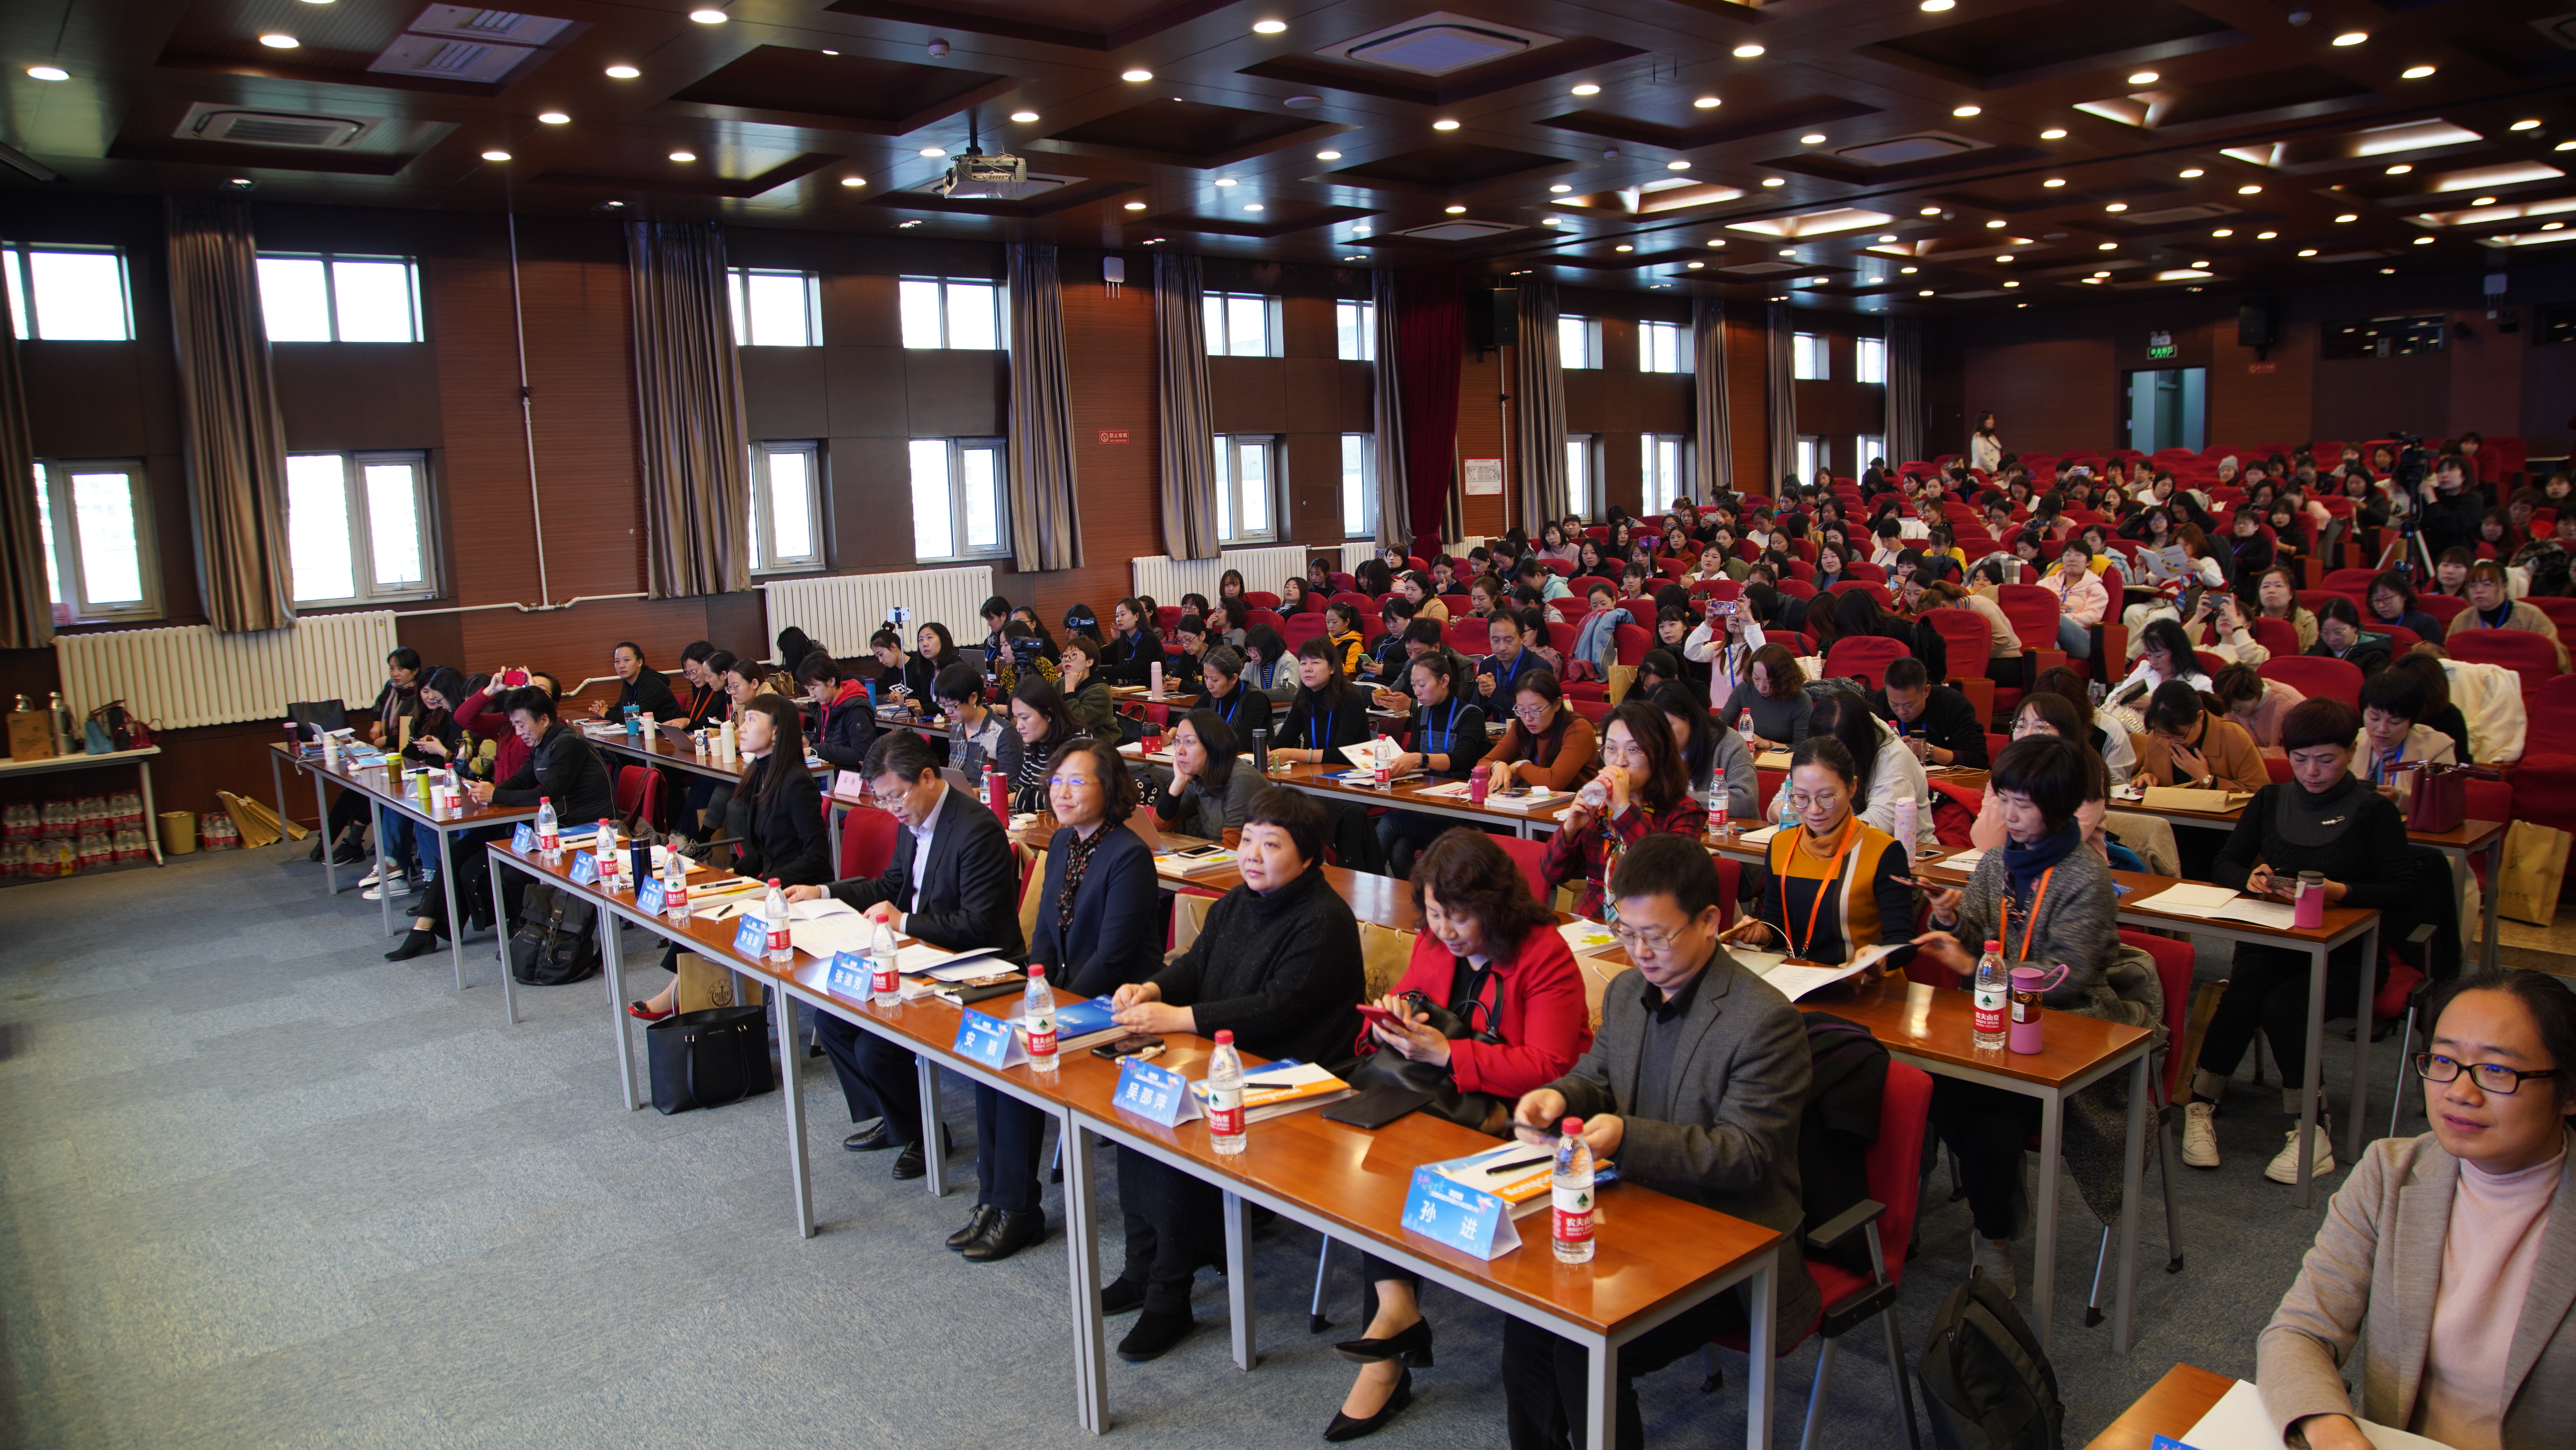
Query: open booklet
{"points": [[2239, 1422], [1797, 979]]}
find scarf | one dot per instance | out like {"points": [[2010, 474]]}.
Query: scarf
{"points": [[2024, 865], [1077, 861]]}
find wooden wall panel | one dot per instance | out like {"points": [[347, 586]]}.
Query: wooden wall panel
{"points": [[1481, 384], [336, 396], [2250, 395], [2054, 395], [1748, 391], [785, 394], [2486, 377], [2371, 397]]}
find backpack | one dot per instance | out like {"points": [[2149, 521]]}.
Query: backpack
{"points": [[1987, 1382], [557, 940]]}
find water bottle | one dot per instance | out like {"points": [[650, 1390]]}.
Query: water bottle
{"points": [[1571, 1189], [997, 795], [1744, 724], [1261, 751], [1788, 814], [1992, 990], [1905, 823], [549, 836], [675, 884], [773, 917], [1037, 1021], [885, 986], [1225, 1096], [604, 846]]}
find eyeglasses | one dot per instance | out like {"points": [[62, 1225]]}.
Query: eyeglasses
{"points": [[1069, 782], [886, 800], [2491, 1077], [1802, 802], [1532, 712], [1652, 942]]}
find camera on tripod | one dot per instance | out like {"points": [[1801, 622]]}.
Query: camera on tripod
{"points": [[2413, 462]]}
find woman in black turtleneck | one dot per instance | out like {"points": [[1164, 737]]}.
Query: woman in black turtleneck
{"points": [[2327, 820]]}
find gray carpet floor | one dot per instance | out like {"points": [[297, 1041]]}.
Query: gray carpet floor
{"points": [[259, 1186]]}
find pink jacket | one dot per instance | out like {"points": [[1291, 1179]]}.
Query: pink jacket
{"points": [[2081, 595]]}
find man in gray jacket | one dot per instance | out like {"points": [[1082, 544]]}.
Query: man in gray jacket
{"points": [[1694, 1084]]}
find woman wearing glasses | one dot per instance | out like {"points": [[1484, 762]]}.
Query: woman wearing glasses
{"points": [[1547, 743], [2448, 1247], [1837, 884], [1640, 792], [1211, 786], [2324, 823]]}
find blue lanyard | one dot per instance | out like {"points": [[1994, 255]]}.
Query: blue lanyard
{"points": [[1448, 736], [1504, 681], [1233, 703]]}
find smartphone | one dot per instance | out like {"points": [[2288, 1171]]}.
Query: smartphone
{"points": [[1128, 1046], [514, 678], [1380, 1016], [1194, 853]]}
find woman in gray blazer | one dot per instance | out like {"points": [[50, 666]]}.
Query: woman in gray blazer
{"points": [[1211, 788], [2446, 1247]]}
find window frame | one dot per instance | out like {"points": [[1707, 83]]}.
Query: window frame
{"points": [[331, 293], [957, 449], [21, 286], [1591, 328], [1001, 312], [362, 554], [1648, 443], [1583, 487], [2397, 334], [1869, 355], [1647, 331], [1814, 455], [1366, 331], [53, 486], [1273, 344], [1364, 527], [738, 304], [764, 559], [1867, 446], [1810, 358], [1229, 515]]}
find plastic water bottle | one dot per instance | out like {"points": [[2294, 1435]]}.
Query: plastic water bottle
{"points": [[1744, 724], [1905, 824], [773, 914], [675, 884], [1571, 1189], [549, 835], [604, 846], [1993, 990], [1788, 814], [1037, 1020], [885, 985], [1225, 1096]]}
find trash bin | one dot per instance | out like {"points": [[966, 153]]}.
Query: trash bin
{"points": [[179, 833]]}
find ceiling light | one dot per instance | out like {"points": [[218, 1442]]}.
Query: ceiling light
{"points": [[2387, 271], [2552, 226], [1587, 89], [2564, 146], [936, 151], [1693, 266], [2349, 216], [1965, 111], [906, 226], [2012, 284], [2532, 125], [2006, 257], [2483, 201], [2416, 72], [1623, 247], [1931, 211], [1457, 211], [2142, 78], [554, 118], [1024, 117], [1812, 138], [2249, 189], [2423, 241], [2352, 37], [2265, 236], [1717, 244], [1252, 206], [2307, 251], [854, 181], [1907, 271], [1444, 125], [1707, 103], [1926, 292], [1269, 27], [49, 73], [1559, 189], [1225, 181], [1355, 259], [1788, 251], [2101, 274], [2224, 232], [2054, 181], [623, 72], [831, 52], [1747, 51], [2400, 169], [1138, 74], [1328, 156], [2053, 133], [684, 156], [2108, 247], [1775, 181], [277, 40], [2094, 281], [1551, 221], [496, 155], [1888, 237], [2191, 174], [1677, 166], [1995, 225], [1937, 6], [708, 17], [1135, 206]]}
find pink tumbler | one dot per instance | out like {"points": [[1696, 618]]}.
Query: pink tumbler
{"points": [[2308, 905], [2023, 1035]]}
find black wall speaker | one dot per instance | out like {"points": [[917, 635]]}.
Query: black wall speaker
{"points": [[2256, 324], [1493, 317]]}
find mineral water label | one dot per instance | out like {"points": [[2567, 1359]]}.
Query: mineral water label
{"points": [[777, 940], [1041, 1031], [882, 976], [1225, 1111], [1573, 1208], [1989, 1010]]}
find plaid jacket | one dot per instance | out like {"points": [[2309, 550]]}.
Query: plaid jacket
{"points": [[1587, 854]]}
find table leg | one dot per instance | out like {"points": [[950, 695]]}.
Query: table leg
{"points": [[322, 811], [791, 1085], [2133, 1187], [2365, 992], [934, 1149], [2043, 1269], [151, 818], [612, 962], [1238, 1280], [456, 919], [2488, 947], [1761, 1307], [384, 863], [2310, 1080], [1082, 1256], [277, 787], [1601, 1397]]}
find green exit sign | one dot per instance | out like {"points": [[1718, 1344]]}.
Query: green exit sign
{"points": [[2160, 345]]}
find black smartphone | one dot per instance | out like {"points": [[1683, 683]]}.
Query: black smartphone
{"points": [[1128, 1046], [1192, 853]]}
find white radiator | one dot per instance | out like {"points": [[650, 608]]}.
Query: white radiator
{"points": [[193, 675], [840, 611], [1264, 570]]}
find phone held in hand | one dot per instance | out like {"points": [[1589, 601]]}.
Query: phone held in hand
{"points": [[1379, 1016]]}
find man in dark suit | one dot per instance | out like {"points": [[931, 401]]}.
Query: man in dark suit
{"points": [[1936, 722], [1695, 1084], [954, 883]]}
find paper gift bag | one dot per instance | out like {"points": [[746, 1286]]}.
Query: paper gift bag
{"points": [[31, 735], [1620, 678], [706, 984], [2535, 863]]}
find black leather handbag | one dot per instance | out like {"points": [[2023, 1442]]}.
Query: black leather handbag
{"points": [[1386, 1067], [708, 1059]]}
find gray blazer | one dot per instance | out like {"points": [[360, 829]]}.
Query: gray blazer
{"points": [[2376, 1262], [1741, 1067]]}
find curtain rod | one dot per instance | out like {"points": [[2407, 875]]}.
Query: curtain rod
{"points": [[522, 608]]}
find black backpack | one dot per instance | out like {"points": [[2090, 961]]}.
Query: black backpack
{"points": [[557, 940], [1986, 1381]]}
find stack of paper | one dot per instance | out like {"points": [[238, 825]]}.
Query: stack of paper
{"points": [[2239, 1422], [2190, 898], [1756, 838], [1517, 1173], [1960, 861], [1587, 937], [1173, 863], [1282, 1088], [1797, 979], [1531, 798], [826, 926]]}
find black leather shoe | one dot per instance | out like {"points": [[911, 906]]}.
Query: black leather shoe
{"points": [[1346, 1428], [415, 943], [868, 1140], [1155, 1333], [1006, 1233], [349, 853], [910, 1164], [974, 1228], [1412, 1344], [1123, 1296]]}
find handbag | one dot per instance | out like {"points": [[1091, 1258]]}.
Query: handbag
{"points": [[2438, 799], [708, 1059], [557, 940], [1386, 1068]]}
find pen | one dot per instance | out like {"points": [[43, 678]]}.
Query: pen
{"points": [[1513, 1167]]}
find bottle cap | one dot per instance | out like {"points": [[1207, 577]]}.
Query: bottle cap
{"points": [[1037, 971], [1994, 946], [1572, 1126], [773, 880], [1224, 1037]]}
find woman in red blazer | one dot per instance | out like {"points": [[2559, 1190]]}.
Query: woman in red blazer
{"points": [[1490, 952]]}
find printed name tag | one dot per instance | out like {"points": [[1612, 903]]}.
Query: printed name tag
{"points": [[1157, 1093], [585, 870], [988, 1040], [850, 785], [1459, 1217], [648, 898], [751, 939], [523, 839], [848, 975]]}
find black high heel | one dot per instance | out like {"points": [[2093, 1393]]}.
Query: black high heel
{"points": [[1346, 1428], [1412, 1344], [415, 943]]}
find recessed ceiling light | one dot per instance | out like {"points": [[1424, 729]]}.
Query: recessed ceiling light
{"points": [[2053, 133], [1747, 51], [2564, 146], [2006, 257], [2101, 274], [1693, 266], [1252, 206], [49, 73], [2352, 37], [1587, 89], [2307, 251], [1457, 211], [2094, 281], [1937, 6], [1225, 181], [2142, 78], [2416, 72], [916, 221], [2530, 125], [623, 72], [1328, 156], [2265, 236], [854, 181], [1995, 225], [2400, 169], [496, 155], [1138, 74], [2224, 232], [1677, 166], [1788, 251], [2387, 271], [1269, 27], [1024, 117], [2423, 241], [1355, 258], [2552, 226], [934, 151], [2108, 247], [2054, 181], [2483, 201], [1559, 189], [1812, 138], [1775, 181], [554, 118], [2350, 216], [831, 52], [684, 156], [2191, 174], [1926, 292], [1888, 237], [1134, 206], [278, 40], [1551, 221], [708, 17], [2012, 284], [1907, 271], [1444, 125], [1707, 103], [2249, 189], [1717, 243], [1965, 111], [1931, 211], [1623, 247]]}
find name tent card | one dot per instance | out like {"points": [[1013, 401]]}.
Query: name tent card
{"points": [[848, 975], [988, 1040], [585, 869], [751, 939], [1459, 1217], [648, 898], [523, 838], [1154, 1093]]}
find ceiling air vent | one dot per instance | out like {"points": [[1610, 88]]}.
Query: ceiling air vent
{"points": [[450, 60], [469, 22], [1906, 150], [1455, 231], [1436, 44], [276, 128]]}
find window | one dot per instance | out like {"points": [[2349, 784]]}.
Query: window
{"points": [[779, 309], [951, 312], [1359, 484], [1578, 342], [339, 299], [357, 527], [1355, 331], [79, 294], [1242, 324], [93, 518], [1866, 447], [957, 499], [2385, 336], [1247, 474], [1662, 347], [1665, 461], [1583, 474], [1811, 458], [786, 507], [1807, 356], [1869, 360]]}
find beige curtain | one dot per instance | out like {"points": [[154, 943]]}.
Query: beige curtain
{"points": [[1783, 392], [1708, 392], [1186, 414], [694, 446], [1046, 530], [1538, 381], [234, 443], [26, 612], [1394, 525], [1904, 390]]}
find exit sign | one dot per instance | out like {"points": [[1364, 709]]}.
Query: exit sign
{"points": [[1113, 435], [2160, 344]]}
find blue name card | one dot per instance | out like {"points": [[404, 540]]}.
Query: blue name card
{"points": [[648, 898], [523, 838], [751, 939], [1459, 1217], [988, 1040], [849, 976], [585, 869], [1155, 1093]]}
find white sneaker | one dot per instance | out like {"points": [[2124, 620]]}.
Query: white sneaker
{"points": [[2285, 1164], [1994, 1261], [370, 878], [376, 890], [2200, 1135]]}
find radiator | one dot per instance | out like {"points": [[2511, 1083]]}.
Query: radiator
{"points": [[840, 611], [193, 675], [1166, 579]]}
